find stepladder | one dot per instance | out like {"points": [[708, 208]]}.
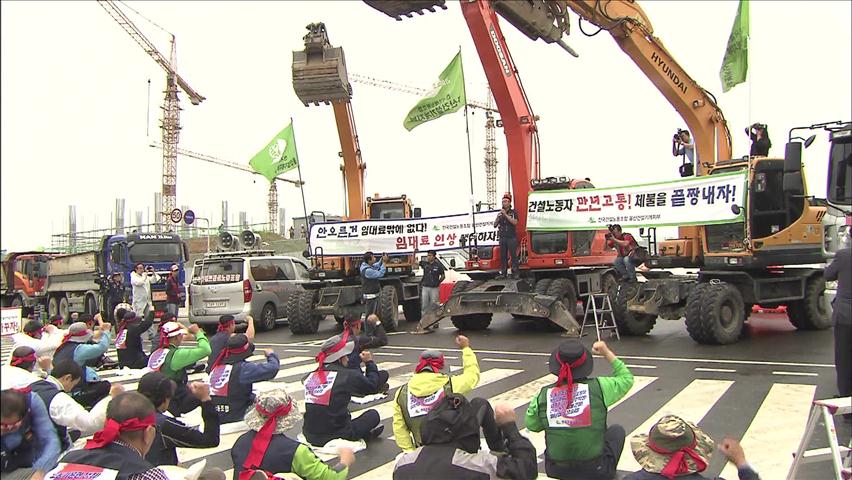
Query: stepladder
{"points": [[599, 308], [839, 455]]}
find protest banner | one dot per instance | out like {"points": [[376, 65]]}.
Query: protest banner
{"points": [[10, 320]]}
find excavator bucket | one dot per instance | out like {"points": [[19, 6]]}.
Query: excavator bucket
{"points": [[399, 8], [319, 71]]}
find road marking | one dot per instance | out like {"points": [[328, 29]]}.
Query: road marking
{"points": [[776, 430], [720, 370], [639, 366], [505, 360], [296, 350], [691, 404], [796, 374], [389, 354]]}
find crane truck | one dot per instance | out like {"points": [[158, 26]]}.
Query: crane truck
{"points": [[736, 262], [320, 76]]}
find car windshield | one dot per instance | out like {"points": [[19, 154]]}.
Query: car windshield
{"points": [[218, 271], [387, 210], [155, 252]]}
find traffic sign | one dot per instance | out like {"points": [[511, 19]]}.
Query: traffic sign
{"points": [[176, 215], [189, 217]]}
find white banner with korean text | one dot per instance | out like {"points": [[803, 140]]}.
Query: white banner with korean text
{"points": [[404, 235], [699, 201]]}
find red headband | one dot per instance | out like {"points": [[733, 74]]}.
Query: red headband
{"points": [[223, 327], [320, 358], [227, 352], [25, 359], [34, 332], [81, 333], [677, 463], [263, 437], [437, 364], [112, 429], [566, 375]]}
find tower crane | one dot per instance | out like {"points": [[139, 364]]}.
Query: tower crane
{"points": [[490, 124], [272, 199], [171, 109]]}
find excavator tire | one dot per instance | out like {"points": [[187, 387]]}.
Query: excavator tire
{"points": [[540, 288], [388, 308], [300, 308], [715, 313], [411, 309], [629, 323], [476, 321], [564, 291], [810, 313]]}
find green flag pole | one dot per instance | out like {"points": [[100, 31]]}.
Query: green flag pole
{"points": [[469, 154], [301, 185]]}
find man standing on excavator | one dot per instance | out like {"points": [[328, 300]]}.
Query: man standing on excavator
{"points": [[371, 272], [505, 222]]}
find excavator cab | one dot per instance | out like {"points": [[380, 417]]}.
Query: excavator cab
{"points": [[319, 71]]}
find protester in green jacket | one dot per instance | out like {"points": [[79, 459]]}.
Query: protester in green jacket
{"points": [[572, 412], [426, 388], [172, 360]]}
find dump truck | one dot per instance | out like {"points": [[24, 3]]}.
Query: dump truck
{"points": [[23, 279]]}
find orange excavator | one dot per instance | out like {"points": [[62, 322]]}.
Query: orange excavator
{"points": [[320, 76], [737, 262]]}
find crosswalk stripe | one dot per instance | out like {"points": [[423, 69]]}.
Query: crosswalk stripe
{"points": [[776, 430], [691, 404]]}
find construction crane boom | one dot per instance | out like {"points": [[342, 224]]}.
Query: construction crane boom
{"points": [[170, 123]]}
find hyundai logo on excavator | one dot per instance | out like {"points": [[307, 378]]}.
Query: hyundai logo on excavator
{"points": [[669, 72]]}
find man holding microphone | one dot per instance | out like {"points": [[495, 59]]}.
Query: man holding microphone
{"points": [[507, 219]]}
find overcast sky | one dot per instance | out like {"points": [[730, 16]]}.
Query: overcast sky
{"points": [[74, 103]]}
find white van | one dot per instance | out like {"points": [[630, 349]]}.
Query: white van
{"points": [[258, 283]]}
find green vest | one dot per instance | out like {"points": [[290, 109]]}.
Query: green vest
{"points": [[577, 443], [413, 423], [180, 376]]}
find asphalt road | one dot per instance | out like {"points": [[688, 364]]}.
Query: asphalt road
{"points": [[759, 390]]}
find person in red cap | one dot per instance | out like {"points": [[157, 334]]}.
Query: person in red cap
{"points": [[119, 449], [272, 415], [507, 219], [429, 385], [173, 360], [128, 340], [233, 376], [329, 390], [227, 327], [572, 413]]}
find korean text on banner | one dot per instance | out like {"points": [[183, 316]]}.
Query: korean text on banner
{"points": [[699, 201], [11, 320], [404, 235]]}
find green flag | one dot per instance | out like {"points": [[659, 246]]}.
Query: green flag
{"points": [[448, 96], [278, 156], [735, 63]]}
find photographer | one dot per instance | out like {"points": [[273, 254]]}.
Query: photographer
{"points": [[141, 279], [682, 144], [115, 295], [624, 244], [371, 271], [760, 143]]}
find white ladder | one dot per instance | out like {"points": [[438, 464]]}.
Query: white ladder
{"points": [[825, 410], [599, 315]]}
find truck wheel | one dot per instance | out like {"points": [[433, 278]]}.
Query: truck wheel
{"points": [[63, 310], [629, 323], [388, 308], [300, 307], [540, 288], [564, 291], [267, 317], [475, 321], [17, 303], [53, 307], [411, 309], [715, 314], [810, 313]]}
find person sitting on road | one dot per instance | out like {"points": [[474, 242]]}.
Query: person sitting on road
{"points": [[367, 337], [120, 447], [624, 244], [103, 362], [172, 361], [76, 347], [371, 271], [572, 413], [232, 377], [227, 327], [30, 445], [25, 357], [329, 390], [68, 415], [451, 444], [172, 433], [44, 339], [677, 448], [128, 340], [273, 413], [429, 385], [57, 321]]}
